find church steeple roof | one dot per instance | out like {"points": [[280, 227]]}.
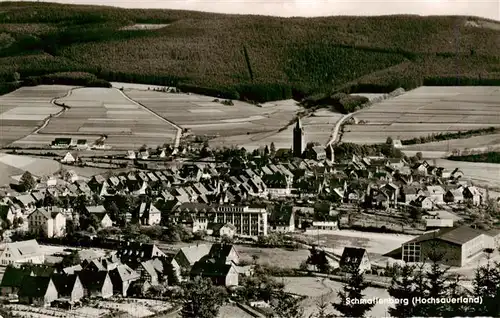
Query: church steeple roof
{"points": [[298, 125]]}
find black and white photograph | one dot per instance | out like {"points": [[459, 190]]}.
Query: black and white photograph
{"points": [[249, 158]]}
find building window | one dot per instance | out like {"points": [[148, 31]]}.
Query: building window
{"points": [[411, 252]]}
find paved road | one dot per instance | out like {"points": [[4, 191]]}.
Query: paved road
{"points": [[179, 129]]}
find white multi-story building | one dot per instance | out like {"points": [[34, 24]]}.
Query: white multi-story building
{"points": [[49, 223], [248, 221]]}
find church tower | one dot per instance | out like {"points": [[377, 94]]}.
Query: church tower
{"points": [[299, 141]]}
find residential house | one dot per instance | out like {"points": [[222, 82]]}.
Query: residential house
{"points": [[133, 253], [223, 253], [69, 287], [12, 279], [318, 153], [144, 155], [21, 252], [149, 214], [81, 144], [396, 163], [436, 193], [221, 230], [47, 222], [456, 174], [102, 216], [104, 220], [282, 220], [355, 257], [454, 196], [152, 273], [474, 195], [186, 257], [130, 154], [421, 167], [26, 202], [7, 213], [220, 274], [409, 193], [96, 284], [423, 202], [122, 277], [37, 290], [69, 158]]}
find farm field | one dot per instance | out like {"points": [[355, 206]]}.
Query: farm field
{"points": [[25, 109], [12, 167], [199, 114], [427, 110], [97, 111], [479, 172], [318, 128], [315, 287]]}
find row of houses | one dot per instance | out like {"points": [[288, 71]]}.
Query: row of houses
{"points": [[132, 265]]}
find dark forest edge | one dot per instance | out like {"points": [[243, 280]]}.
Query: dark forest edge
{"points": [[251, 58]]}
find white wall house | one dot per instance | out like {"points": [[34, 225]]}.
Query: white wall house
{"points": [[50, 223], [21, 252]]}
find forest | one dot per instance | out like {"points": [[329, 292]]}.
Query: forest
{"points": [[246, 57]]}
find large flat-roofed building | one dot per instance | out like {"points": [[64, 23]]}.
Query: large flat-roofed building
{"points": [[248, 220], [458, 245]]}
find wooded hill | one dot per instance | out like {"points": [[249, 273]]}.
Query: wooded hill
{"points": [[248, 57]]}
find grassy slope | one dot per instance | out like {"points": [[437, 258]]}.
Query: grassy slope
{"points": [[309, 54]]}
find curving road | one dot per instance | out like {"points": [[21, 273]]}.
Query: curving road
{"points": [[334, 138]]}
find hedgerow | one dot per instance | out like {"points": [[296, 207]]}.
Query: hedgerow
{"points": [[254, 57], [488, 157], [68, 78], [452, 135]]}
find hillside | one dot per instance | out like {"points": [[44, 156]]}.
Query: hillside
{"points": [[254, 57]]}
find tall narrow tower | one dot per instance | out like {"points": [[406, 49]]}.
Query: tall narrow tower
{"points": [[299, 141]]}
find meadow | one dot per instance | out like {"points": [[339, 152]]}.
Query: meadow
{"points": [[425, 111], [247, 57], [94, 112], [201, 115], [23, 110]]}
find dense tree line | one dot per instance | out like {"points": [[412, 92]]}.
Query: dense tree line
{"points": [[450, 135], [489, 157], [213, 53]]}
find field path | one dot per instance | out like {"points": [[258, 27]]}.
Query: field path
{"points": [[179, 128], [334, 138], [53, 101]]}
